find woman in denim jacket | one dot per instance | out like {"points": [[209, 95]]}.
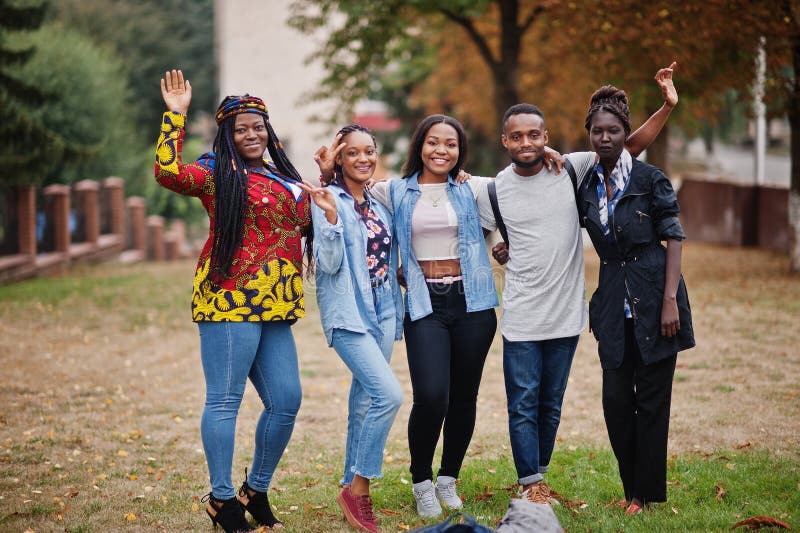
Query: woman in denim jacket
{"points": [[640, 311], [450, 295], [361, 308]]}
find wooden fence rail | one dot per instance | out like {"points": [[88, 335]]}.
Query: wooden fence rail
{"points": [[47, 230]]}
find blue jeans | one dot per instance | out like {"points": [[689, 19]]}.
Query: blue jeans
{"points": [[231, 352], [375, 393], [536, 375]]}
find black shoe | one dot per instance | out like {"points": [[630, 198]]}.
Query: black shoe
{"points": [[257, 504], [227, 513]]}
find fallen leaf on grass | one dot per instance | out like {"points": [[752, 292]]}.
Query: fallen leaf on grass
{"points": [[758, 522], [389, 512], [720, 492], [484, 496], [403, 526], [130, 517], [673, 483], [571, 504], [744, 445]]}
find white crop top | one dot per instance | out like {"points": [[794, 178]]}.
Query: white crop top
{"points": [[434, 225]]}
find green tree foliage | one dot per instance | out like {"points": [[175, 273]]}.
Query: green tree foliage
{"points": [[89, 103], [152, 36], [28, 148], [394, 40]]}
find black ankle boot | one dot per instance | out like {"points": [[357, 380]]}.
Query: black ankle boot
{"points": [[257, 504], [227, 513]]}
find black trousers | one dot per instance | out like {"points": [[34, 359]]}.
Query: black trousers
{"points": [[446, 352], [636, 404]]}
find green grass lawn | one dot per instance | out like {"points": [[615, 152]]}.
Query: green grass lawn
{"points": [[100, 394]]}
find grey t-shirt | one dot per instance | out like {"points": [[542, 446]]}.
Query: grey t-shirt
{"points": [[545, 290]]}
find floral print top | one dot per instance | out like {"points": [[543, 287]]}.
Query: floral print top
{"points": [[379, 242]]}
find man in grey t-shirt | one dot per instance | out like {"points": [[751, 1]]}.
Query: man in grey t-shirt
{"points": [[544, 298]]}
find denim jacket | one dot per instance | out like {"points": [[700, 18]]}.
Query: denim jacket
{"points": [[344, 292], [479, 288]]}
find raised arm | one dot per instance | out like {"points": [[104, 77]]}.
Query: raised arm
{"points": [[170, 171], [640, 139], [176, 92], [329, 243]]}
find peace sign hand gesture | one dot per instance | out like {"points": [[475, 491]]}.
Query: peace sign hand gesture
{"points": [[323, 198], [176, 92], [664, 79], [326, 159]]}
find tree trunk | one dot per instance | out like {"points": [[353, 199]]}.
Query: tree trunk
{"points": [[794, 182], [506, 70], [658, 149]]}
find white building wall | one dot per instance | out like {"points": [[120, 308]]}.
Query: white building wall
{"points": [[259, 54]]}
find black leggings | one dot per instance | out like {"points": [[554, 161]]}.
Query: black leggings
{"points": [[446, 351]]}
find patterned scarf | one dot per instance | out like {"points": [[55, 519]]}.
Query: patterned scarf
{"points": [[242, 104], [620, 176]]}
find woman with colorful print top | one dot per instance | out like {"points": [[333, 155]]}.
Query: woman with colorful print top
{"points": [[247, 288], [361, 307], [640, 312]]}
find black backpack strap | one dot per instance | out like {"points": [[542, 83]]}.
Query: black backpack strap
{"points": [[572, 175], [498, 218]]}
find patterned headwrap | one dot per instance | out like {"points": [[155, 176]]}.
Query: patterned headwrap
{"points": [[241, 104]]}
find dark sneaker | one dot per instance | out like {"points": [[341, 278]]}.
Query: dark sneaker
{"points": [[357, 510]]}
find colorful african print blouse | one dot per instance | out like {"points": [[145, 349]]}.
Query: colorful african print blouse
{"points": [[265, 278]]}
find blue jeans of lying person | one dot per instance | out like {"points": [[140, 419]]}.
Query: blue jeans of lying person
{"points": [[536, 375], [231, 353], [375, 393]]}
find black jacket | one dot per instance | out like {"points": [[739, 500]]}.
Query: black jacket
{"points": [[633, 264]]}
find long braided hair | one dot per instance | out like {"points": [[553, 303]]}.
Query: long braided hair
{"points": [[231, 183], [615, 101], [338, 174]]}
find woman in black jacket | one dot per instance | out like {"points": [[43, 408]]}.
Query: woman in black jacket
{"points": [[640, 311]]}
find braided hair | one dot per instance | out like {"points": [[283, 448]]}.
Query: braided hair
{"points": [[615, 101], [413, 162], [338, 174], [231, 183]]}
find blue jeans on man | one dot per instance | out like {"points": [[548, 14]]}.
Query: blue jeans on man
{"points": [[536, 375]]}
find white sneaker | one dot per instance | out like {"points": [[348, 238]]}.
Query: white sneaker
{"points": [[427, 504], [446, 492]]}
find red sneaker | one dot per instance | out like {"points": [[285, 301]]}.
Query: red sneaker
{"points": [[633, 509], [357, 510]]}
